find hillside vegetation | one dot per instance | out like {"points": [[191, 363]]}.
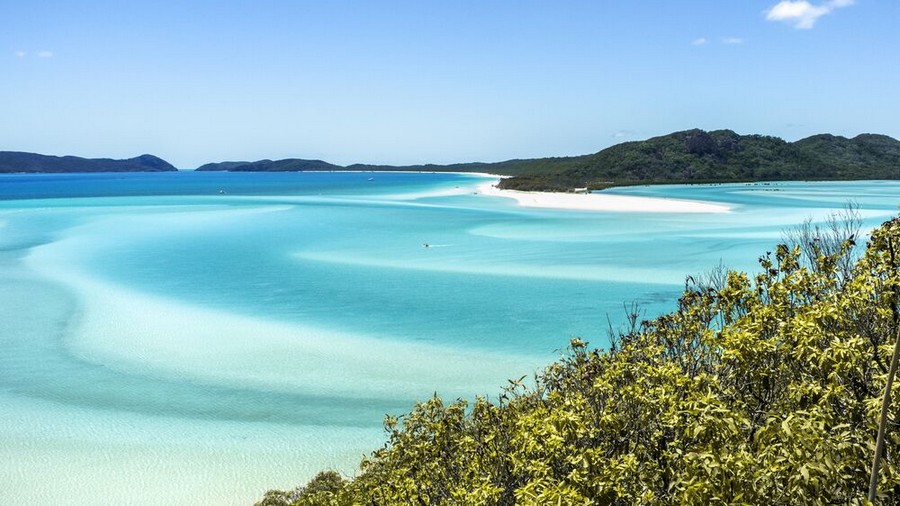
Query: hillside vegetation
{"points": [[286, 165], [16, 161], [691, 156], [759, 389], [508, 168], [697, 156]]}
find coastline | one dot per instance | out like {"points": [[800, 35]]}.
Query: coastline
{"points": [[601, 202]]}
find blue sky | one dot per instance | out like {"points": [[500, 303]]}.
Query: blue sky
{"points": [[435, 81]]}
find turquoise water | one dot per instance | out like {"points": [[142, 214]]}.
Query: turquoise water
{"points": [[201, 337]]}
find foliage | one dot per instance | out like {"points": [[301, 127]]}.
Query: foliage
{"points": [[286, 165], [16, 161], [758, 389], [691, 156], [323, 490], [697, 156], [509, 167]]}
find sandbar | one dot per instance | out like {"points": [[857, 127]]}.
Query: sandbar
{"points": [[601, 201]]}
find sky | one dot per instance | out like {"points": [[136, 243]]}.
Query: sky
{"points": [[421, 81]]}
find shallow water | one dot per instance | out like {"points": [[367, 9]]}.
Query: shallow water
{"points": [[201, 337]]}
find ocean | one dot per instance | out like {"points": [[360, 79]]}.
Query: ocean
{"points": [[186, 338]]}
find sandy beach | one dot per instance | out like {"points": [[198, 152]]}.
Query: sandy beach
{"points": [[601, 201]]}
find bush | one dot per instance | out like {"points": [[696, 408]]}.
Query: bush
{"points": [[756, 390]]}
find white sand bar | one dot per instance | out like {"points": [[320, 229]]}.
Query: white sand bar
{"points": [[602, 202]]}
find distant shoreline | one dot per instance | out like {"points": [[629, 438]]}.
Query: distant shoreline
{"points": [[687, 157]]}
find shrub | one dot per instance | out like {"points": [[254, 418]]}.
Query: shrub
{"points": [[756, 390]]}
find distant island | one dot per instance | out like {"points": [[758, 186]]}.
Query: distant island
{"points": [[16, 161], [689, 156], [697, 156]]}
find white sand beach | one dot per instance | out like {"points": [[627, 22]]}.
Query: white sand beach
{"points": [[601, 201]]}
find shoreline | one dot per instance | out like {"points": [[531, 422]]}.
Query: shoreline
{"points": [[601, 202]]}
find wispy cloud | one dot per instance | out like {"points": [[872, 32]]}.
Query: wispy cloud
{"points": [[802, 14], [35, 54], [729, 41], [621, 134]]}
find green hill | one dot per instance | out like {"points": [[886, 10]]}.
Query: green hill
{"points": [[16, 161], [509, 167], [691, 156], [286, 165], [694, 156]]}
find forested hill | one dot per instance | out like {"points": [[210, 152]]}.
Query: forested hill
{"points": [[286, 165], [720, 156], [507, 168], [691, 156], [680, 157], [511, 167], [16, 161]]}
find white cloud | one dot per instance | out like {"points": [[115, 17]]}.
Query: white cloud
{"points": [[699, 42], [732, 40], [802, 14], [20, 54], [45, 54]]}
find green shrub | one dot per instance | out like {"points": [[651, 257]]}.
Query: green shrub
{"points": [[756, 390]]}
